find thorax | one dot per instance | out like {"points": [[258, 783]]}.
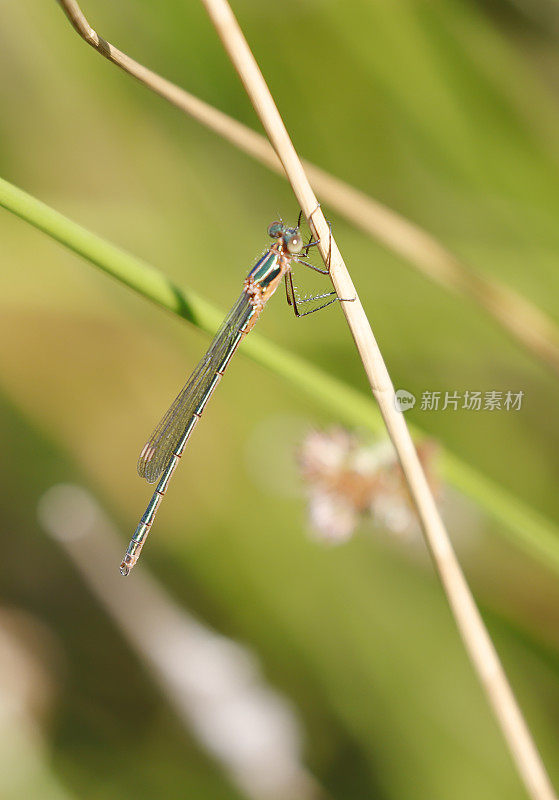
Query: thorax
{"points": [[264, 278]]}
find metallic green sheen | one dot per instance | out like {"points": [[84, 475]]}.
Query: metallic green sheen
{"points": [[266, 269]]}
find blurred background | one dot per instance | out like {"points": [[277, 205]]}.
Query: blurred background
{"points": [[448, 112]]}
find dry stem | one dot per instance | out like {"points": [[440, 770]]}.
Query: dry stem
{"points": [[472, 629], [474, 634]]}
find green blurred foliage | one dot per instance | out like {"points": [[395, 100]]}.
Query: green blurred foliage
{"points": [[447, 111]]}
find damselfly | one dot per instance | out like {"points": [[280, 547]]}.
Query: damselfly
{"points": [[161, 454]]}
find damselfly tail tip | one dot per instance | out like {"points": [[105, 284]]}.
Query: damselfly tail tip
{"points": [[125, 567]]}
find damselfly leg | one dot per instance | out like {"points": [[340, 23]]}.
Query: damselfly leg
{"points": [[314, 243], [292, 299]]}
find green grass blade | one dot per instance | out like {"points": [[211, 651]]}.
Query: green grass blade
{"points": [[523, 526]]}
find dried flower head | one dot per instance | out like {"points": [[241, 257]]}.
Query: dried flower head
{"points": [[349, 479]]}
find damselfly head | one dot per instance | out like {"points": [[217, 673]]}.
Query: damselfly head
{"points": [[292, 239]]}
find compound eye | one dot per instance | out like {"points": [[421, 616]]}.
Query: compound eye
{"points": [[275, 230], [294, 242]]}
